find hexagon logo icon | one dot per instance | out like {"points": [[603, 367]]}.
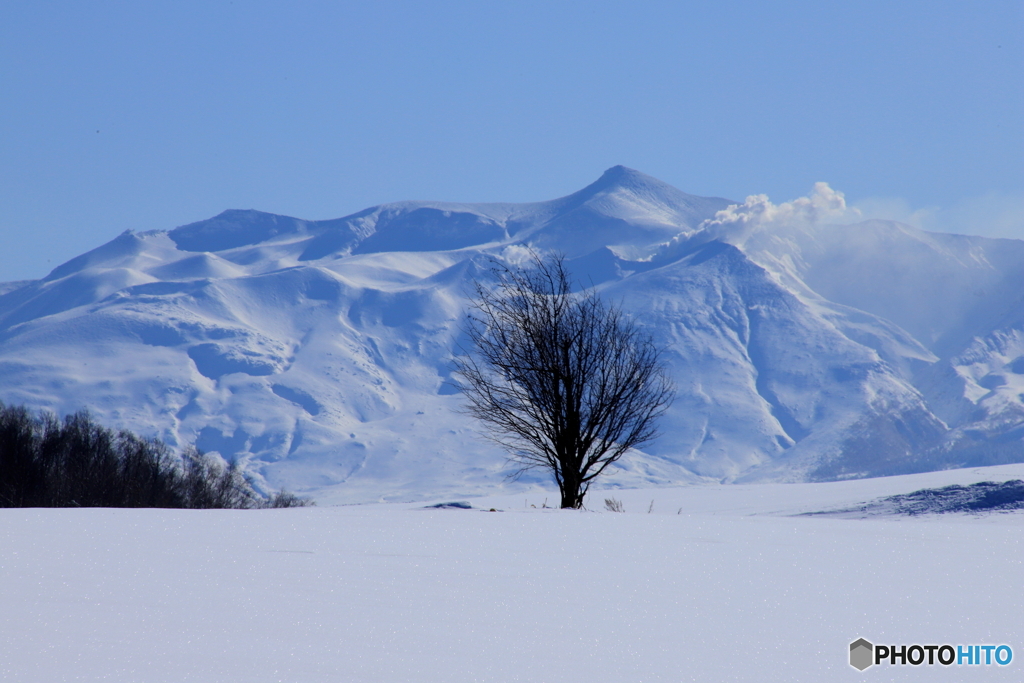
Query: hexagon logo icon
{"points": [[862, 654]]}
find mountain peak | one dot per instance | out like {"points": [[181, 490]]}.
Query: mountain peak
{"points": [[623, 176], [619, 170], [647, 189]]}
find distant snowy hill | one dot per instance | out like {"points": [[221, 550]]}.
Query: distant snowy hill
{"points": [[317, 352]]}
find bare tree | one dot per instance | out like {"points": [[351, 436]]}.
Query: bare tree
{"points": [[566, 382]]}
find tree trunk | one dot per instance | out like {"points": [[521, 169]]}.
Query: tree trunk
{"points": [[572, 496]]}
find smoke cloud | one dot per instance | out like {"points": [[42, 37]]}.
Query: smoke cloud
{"points": [[737, 222]]}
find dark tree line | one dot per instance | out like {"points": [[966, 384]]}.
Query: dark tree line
{"points": [[74, 462]]}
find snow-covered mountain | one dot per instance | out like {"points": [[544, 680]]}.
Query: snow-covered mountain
{"points": [[317, 352]]}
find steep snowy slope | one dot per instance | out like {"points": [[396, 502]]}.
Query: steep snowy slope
{"points": [[317, 352], [772, 387], [960, 296], [940, 288]]}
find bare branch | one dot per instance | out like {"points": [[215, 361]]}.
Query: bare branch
{"points": [[564, 381]]}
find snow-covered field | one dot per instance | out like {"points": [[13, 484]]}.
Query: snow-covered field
{"points": [[717, 583]]}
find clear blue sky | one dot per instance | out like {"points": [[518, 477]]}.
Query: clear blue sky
{"points": [[150, 115]]}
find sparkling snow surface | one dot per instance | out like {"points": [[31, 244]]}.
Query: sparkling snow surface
{"points": [[717, 583]]}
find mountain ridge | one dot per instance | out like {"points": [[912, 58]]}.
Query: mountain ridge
{"points": [[316, 352]]}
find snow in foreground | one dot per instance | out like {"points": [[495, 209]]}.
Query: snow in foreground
{"points": [[718, 583]]}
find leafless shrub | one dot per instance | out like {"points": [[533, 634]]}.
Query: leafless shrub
{"points": [[613, 505]]}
